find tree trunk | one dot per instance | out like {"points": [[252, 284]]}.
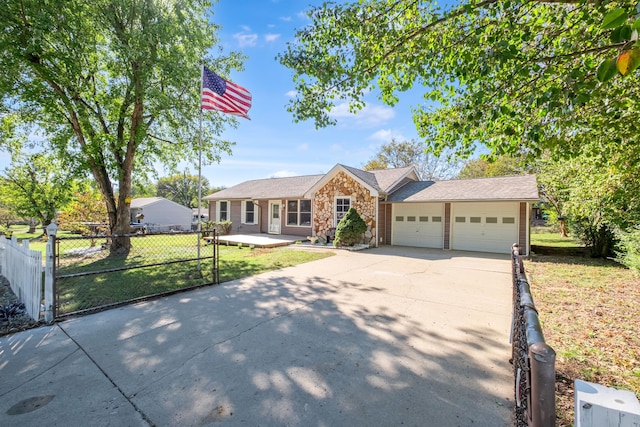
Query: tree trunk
{"points": [[563, 228]]}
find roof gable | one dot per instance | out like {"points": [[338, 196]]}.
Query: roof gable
{"points": [[377, 181], [523, 187], [143, 202]]}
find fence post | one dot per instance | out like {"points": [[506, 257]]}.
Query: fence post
{"points": [[539, 360], [49, 275], [543, 385]]}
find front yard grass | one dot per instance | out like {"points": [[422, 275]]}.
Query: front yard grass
{"points": [[161, 264], [590, 314]]}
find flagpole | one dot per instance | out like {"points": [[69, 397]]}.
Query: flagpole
{"points": [[200, 168]]}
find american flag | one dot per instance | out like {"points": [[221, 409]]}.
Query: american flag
{"points": [[219, 94]]}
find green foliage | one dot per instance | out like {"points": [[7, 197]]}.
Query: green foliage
{"points": [[599, 238], [629, 249], [500, 166], [516, 77], [222, 227], [182, 189], [113, 84], [36, 186], [350, 229], [86, 207]]}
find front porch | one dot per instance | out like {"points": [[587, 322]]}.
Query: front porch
{"points": [[260, 240]]}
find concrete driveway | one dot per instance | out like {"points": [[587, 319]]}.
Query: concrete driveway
{"points": [[383, 337]]}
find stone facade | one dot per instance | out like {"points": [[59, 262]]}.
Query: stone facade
{"points": [[343, 185]]}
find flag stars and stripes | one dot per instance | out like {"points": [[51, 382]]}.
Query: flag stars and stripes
{"points": [[222, 95]]}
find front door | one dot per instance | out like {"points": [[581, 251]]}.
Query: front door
{"points": [[274, 217]]}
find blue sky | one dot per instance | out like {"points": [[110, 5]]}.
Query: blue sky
{"points": [[271, 144]]}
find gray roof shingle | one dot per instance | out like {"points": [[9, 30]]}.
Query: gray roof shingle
{"points": [[522, 187], [291, 187], [380, 179]]}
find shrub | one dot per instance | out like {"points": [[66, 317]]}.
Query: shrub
{"points": [[629, 251], [222, 227], [350, 229]]}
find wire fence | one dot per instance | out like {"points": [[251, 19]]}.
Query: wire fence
{"points": [[533, 360], [99, 271]]}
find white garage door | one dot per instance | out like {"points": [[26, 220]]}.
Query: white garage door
{"points": [[484, 227], [418, 224]]}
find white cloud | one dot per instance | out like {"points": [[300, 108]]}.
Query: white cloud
{"points": [[370, 115], [285, 18], [291, 94], [271, 37], [335, 147], [385, 135], [303, 147], [283, 174], [246, 39]]}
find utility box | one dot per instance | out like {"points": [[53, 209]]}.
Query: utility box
{"points": [[600, 406]]}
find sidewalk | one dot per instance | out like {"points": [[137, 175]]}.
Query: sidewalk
{"points": [[387, 336]]}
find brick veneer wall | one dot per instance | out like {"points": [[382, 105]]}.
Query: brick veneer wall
{"points": [[342, 185]]}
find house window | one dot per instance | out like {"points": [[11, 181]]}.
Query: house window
{"points": [[248, 212], [436, 218], [508, 220], [424, 219], [491, 220], [475, 219], [299, 212], [399, 218], [411, 218], [461, 219], [223, 210], [342, 206]]}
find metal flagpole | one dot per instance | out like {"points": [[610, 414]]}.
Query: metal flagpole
{"points": [[200, 169]]}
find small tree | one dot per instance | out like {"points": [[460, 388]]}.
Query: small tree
{"points": [[350, 229]]}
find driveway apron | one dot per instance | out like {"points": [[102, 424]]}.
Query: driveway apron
{"points": [[382, 337]]}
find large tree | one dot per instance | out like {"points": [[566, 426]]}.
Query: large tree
{"points": [[182, 188], [398, 154], [516, 76], [114, 84]]}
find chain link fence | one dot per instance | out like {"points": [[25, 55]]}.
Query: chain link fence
{"points": [[98, 271], [533, 360]]}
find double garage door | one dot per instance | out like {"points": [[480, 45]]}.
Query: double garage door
{"points": [[484, 227]]}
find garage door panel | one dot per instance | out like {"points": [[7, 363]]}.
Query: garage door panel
{"points": [[414, 225], [495, 226]]}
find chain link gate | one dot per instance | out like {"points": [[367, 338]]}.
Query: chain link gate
{"points": [[89, 276]]}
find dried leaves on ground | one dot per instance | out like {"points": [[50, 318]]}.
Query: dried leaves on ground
{"points": [[16, 320], [590, 313]]}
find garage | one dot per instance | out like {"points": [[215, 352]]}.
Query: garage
{"points": [[487, 227], [418, 224]]}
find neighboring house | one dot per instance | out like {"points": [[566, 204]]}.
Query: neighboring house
{"points": [[160, 214], [204, 215], [486, 215]]}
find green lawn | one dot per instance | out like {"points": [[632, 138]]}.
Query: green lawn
{"points": [[166, 275], [547, 236], [590, 316]]}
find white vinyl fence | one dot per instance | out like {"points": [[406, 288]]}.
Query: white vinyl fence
{"points": [[23, 268]]}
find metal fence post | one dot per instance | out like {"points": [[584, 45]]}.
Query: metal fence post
{"points": [[542, 396], [532, 357]]}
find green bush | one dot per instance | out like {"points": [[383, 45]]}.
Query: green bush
{"points": [[350, 229], [222, 227], [598, 237], [629, 249]]}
